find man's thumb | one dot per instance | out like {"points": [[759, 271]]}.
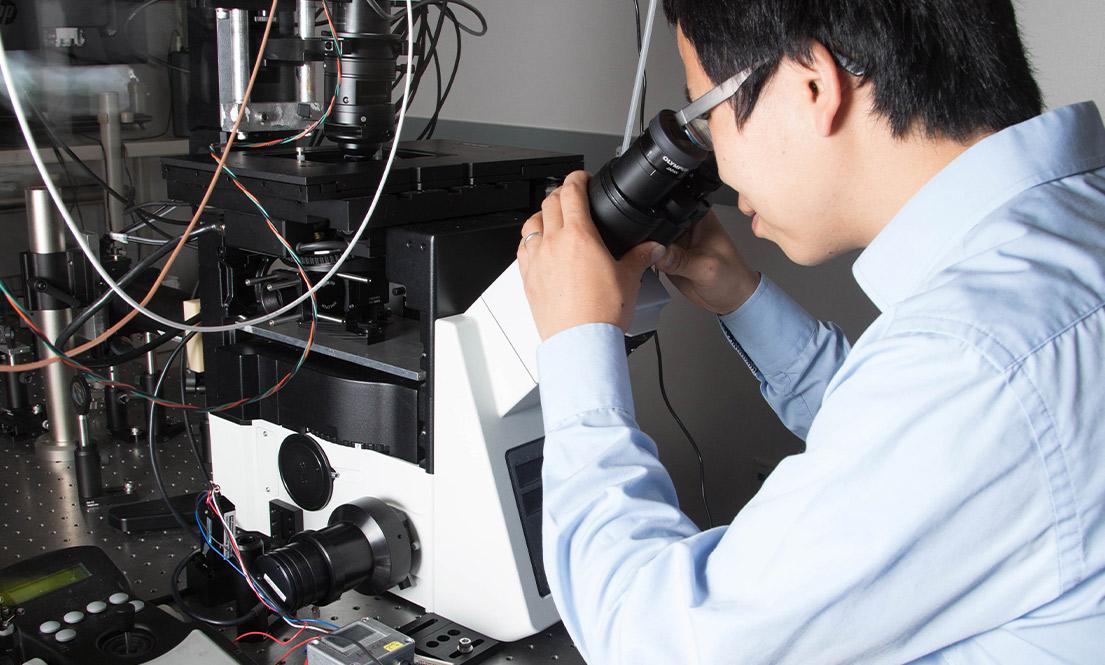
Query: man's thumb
{"points": [[645, 255], [673, 260]]}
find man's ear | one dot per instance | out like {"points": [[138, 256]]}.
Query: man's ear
{"points": [[825, 89]]}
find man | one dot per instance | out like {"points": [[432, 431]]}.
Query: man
{"points": [[949, 506]]}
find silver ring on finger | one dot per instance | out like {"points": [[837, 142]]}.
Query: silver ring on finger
{"points": [[530, 236]]}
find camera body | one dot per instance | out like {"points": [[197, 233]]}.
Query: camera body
{"points": [[655, 190]]}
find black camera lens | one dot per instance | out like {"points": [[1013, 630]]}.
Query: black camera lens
{"points": [[367, 546], [364, 115], [630, 195]]}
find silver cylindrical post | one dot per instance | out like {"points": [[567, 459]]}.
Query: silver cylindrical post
{"points": [[305, 21], [84, 431], [62, 438], [47, 236], [151, 355], [44, 234], [239, 39], [111, 136], [232, 46]]}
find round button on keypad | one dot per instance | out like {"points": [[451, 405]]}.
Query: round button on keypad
{"points": [[49, 627], [96, 606]]}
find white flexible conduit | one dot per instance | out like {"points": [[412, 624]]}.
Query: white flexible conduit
{"points": [[638, 83]]}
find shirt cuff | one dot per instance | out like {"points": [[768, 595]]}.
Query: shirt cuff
{"points": [[770, 328], [583, 369]]}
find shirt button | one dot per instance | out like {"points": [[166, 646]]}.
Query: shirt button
{"points": [[67, 635], [49, 627], [96, 606], [118, 598], [73, 617]]}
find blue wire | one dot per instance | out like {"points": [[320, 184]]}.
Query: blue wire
{"points": [[209, 541], [264, 596]]}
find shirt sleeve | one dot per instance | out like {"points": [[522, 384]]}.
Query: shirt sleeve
{"points": [[792, 354], [919, 516]]}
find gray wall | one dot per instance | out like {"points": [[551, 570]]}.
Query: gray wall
{"points": [[1064, 40], [565, 68], [560, 64]]}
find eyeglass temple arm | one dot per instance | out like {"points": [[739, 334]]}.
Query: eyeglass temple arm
{"points": [[712, 98]]}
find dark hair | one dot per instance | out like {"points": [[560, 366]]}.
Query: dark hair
{"points": [[951, 68]]}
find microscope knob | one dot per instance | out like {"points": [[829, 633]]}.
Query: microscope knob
{"points": [[81, 394]]}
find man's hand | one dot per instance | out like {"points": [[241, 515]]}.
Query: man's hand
{"points": [[707, 268], [570, 276]]}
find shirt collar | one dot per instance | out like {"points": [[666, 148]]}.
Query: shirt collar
{"points": [[1048, 147]]}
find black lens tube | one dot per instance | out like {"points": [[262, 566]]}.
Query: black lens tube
{"points": [[364, 115], [367, 546], [630, 195]]}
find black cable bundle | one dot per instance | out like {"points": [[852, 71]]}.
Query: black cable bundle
{"points": [[426, 48]]}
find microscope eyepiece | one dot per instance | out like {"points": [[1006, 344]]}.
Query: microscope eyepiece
{"points": [[655, 190]]}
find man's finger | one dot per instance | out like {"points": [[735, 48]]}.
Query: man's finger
{"points": [[534, 224], [580, 177], [523, 258], [574, 202], [699, 267], [551, 212]]}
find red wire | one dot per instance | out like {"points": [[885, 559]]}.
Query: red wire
{"points": [[237, 553], [292, 650], [274, 639]]}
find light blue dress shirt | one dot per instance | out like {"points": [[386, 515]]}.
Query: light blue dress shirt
{"points": [[950, 506]]}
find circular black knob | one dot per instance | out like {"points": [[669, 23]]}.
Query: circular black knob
{"points": [[81, 394]]}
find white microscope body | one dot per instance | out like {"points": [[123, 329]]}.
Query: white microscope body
{"points": [[476, 519]]}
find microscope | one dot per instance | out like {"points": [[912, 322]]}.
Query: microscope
{"points": [[405, 454]]}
